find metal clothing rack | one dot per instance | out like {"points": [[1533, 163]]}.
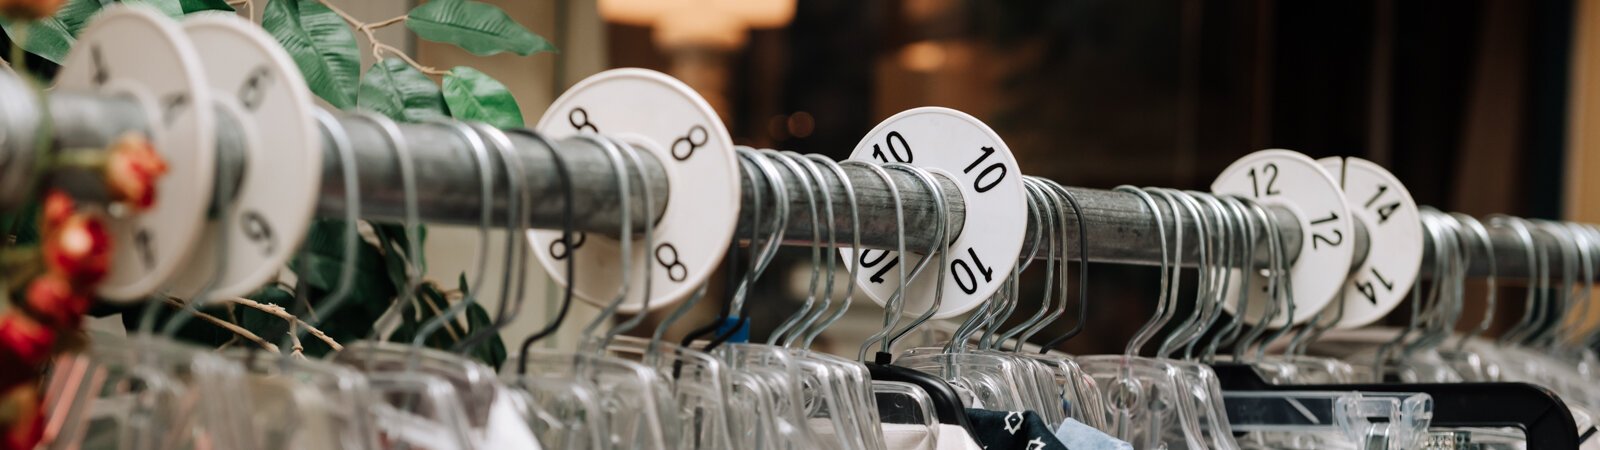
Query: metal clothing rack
{"points": [[1120, 227]]}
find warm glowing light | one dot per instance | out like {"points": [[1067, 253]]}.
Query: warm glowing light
{"points": [[923, 56], [704, 23], [801, 124]]}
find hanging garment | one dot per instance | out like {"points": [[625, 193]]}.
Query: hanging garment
{"points": [[908, 436], [1005, 430], [1077, 436]]}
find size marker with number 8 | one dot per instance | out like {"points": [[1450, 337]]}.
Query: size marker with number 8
{"points": [[961, 148], [653, 112], [1293, 181]]}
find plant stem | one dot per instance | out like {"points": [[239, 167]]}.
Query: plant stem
{"points": [[378, 47], [226, 325]]}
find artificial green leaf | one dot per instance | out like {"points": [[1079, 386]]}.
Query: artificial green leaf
{"points": [[477, 27], [395, 89], [473, 95], [52, 37], [169, 8], [193, 6], [396, 246], [491, 351], [321, 45]]}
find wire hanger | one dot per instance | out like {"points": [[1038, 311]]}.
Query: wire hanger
{"points": [[625, 241], [806, 186], [649, 242], [566, 236], [480, 153], [352, 215], [855, 264], [939, 243], [517, 250], [731, 261], [408, 184], [1083, 272], [759, 261]]}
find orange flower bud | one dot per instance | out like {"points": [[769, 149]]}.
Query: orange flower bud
{"points": [[57, 207], [79, 248], [132, 168], [30, 9], [24, 343], [52, 298], [26, 427]]}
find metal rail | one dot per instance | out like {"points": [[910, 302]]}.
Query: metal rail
{"points": [[1120, 228]]}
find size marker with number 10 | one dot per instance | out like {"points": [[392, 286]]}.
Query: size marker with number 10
{"points": [[961, 148]]}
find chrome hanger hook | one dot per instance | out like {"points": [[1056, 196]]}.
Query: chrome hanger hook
{"points": [[480, 154], [941, 241], [808, 187], [1481, 236], [855, 236], [1155, 323]]}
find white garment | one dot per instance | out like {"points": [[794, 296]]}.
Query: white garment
{"points": [[506, 428], [947, 437]]}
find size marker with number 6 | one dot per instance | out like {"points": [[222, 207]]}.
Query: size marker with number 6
{"points": [[135, 52], [1293, 181], [653, 112], [960, 148], [254, 79]]}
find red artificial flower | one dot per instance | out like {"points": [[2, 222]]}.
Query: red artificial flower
{"points": [[26, 427], [30, 9], [132, 168], [24, 343], [52, 298], [79, 248], [58, 206]]}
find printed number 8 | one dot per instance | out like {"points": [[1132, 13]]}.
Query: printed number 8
{"points": [[697, 137], [676, 271]]}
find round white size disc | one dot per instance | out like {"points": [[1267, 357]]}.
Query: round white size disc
{"points": [[254, 79], [961, 148], [1394, 239], [656, 113], [1290, 180], [139, 53]]}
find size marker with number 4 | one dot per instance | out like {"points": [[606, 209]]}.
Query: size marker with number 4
{"points": [[1394, 235]]}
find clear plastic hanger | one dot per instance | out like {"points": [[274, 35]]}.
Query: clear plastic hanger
{"points": [[839, 391], [313, 404], [563, 412], [416, 408], [1470, 364], [1143, 394], [996, 379], [638, 407], [1080, 392], [1314, 420], [769, 371], [474, 382], [1249, 225], [516, 251], [1201, 389], [141, 391]]}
